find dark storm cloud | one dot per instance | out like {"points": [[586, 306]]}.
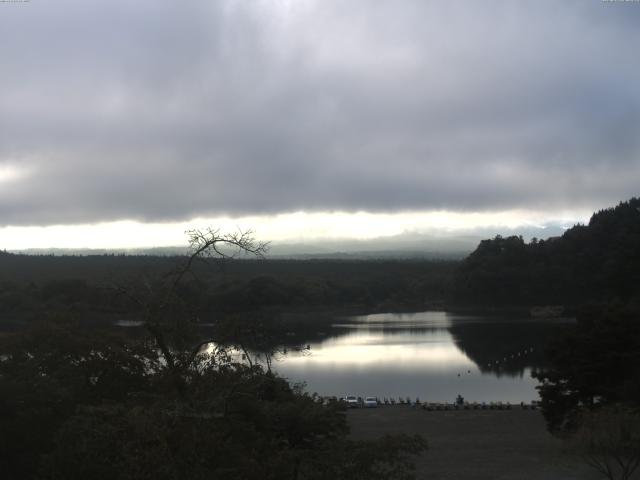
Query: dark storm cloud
{"points": [[158, 111]]}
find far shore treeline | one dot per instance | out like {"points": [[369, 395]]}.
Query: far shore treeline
{"points": [[31, 286], [594, 263]]}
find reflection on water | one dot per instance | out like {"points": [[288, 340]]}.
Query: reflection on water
{"points": [[432, 355], [129, 323]]}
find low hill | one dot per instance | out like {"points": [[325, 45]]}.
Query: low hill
{"points": [[598, 262]]}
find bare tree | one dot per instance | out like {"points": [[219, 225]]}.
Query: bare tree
{"points": [[170, 320]]}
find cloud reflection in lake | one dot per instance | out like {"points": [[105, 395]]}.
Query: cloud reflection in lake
{"points": [[411, 354]]}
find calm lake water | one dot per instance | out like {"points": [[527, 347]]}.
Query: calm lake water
{"points": [[432, 355]]}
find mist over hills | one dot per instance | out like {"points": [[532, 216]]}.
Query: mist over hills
{"points": [[439, 245]]}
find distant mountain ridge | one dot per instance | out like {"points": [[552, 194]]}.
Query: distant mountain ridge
{"points": [[403, 246]]}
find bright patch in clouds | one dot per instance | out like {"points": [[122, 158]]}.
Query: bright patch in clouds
{"points": [[10, 173], [290, 227]]}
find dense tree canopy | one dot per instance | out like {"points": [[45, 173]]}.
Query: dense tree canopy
{"points": [[81, 403], [596, 262], [33, 286], [595, 365]]}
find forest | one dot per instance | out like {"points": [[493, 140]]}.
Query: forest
{"points": [[90, 286], [598, 262]]}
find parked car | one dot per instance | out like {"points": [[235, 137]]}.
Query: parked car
{"points": [[351, 401], [370, 402]]}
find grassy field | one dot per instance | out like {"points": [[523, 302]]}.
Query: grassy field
{"points": [[476, 444]]}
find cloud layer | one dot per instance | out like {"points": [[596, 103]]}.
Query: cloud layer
{"points": [[165, 111]]}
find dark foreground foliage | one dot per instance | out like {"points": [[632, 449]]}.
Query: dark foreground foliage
{"points": [[79, 403], [591, 391], [596, 365]]}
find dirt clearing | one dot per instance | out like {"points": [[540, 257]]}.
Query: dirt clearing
{"points": [[476, 444]]}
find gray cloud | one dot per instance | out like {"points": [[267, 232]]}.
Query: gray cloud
{"points": [[159, 111]]}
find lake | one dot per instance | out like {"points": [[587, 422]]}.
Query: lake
{"points": [[431, 355]]}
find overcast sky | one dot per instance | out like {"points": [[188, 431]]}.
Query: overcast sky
{"points": [[160, 112]]}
